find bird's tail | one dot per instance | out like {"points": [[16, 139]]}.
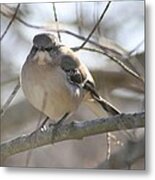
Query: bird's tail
{"points": [[99, 105]]}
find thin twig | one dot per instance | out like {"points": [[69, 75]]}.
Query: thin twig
{"points": [[97, 16], [10, 23], [108, 139], [25, 23], [119, 62], [129, 57], [73, 130], [95, 27], [126, 156], [135, 49], [105, 50], [9, 100], [116, 140], [63, 31], [41, 115], [56, 20]]}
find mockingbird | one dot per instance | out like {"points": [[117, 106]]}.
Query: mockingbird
{"points": [[56, 82]]}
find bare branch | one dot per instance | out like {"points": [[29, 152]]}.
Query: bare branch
{"points": [[10, 98], [10, 23], [5, 8], [94, 28], [56, 20], [135, 49], [73, 130], [108, 139], [131, 152], [79, 16], [105, 50], [54, 30], [7, 12], [119, 62]]}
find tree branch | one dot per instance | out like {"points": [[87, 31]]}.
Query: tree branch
{"points": [[74, 130], [56, 20], [94, 28], [119, 62], [10, 98], [10, 23], [105, 50]]}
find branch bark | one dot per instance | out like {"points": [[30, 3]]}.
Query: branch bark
{"points": [[74, 130]]}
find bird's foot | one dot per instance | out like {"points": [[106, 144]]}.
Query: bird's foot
{"points": [[56, 126], [43, 126]]}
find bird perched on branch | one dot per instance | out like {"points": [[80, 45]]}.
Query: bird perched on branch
{"points": [[56, 82]]}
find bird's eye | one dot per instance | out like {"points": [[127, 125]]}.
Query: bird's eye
{"points": [[48, 48]]}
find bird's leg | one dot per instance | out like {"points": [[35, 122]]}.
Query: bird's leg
{"points": [[57, 125], [43, 127]]}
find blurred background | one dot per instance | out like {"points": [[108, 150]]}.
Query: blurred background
{"points": [[121, 35]]}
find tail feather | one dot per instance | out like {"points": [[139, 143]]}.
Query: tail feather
{"points": [[108, 107], [96, 108]]}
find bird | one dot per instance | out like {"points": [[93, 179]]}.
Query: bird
{"points": [[55, 81]]}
